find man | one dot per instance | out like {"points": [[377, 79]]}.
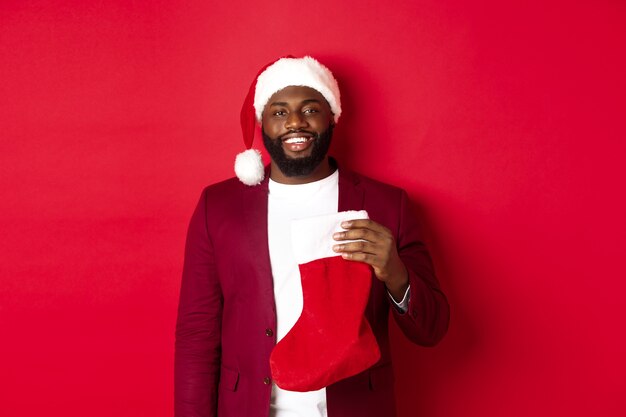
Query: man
{"points": [[241, 291]]}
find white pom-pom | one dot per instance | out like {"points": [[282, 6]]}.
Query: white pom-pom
{"points": [[249, 167]]}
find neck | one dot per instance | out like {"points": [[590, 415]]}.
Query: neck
{"points": [[323, 170]]}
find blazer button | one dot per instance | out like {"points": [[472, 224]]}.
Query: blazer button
{"points": [[266, 381], [269, 332]]}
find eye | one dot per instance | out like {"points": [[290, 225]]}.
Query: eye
{"points": [[279, 113], [310, 111]]}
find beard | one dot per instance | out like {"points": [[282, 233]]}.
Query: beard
{"points": [[299, 167]]}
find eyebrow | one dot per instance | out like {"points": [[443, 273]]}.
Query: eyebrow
{"points": [[284, 103]]}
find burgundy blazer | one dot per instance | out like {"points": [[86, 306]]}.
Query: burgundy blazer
{"points": [[226, 323]]}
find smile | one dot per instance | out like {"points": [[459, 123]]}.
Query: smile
{"points": [[297, 140]]}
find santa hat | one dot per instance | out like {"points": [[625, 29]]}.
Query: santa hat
{"points": [[285, 72]]}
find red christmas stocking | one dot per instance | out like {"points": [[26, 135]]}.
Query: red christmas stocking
{"points": [[332, 339]]}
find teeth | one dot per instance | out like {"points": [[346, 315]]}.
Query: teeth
{"points": [[296, 140]]}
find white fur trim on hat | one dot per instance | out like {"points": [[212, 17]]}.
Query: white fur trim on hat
{"points": [[305, 72], [249, 167]]}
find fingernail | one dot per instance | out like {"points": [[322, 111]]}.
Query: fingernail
{"points": [[337, 235], [337, 248], [346, 224]]}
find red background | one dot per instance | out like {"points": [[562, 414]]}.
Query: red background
{"points": [[504, 122]]}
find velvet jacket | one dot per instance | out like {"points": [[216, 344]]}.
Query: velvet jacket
{"points": [[226, 323]]}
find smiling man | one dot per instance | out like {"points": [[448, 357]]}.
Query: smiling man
{"points": [[263, 330]]}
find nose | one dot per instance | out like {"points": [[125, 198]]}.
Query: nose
{"points": [[295, 121]]}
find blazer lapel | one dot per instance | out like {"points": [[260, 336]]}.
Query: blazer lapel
{"points": [[254, 218], [350, 193]]}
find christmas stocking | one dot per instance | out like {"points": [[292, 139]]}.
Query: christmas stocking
{"points": [[332, 339]]}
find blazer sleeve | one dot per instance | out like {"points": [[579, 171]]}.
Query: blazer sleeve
{"points": [[198, 327], [428, 315]]}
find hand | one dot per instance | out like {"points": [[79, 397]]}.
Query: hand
{"points": [[377, 248]]}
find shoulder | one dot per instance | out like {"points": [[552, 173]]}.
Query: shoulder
{"points": [[231, 196], [230, 188]]}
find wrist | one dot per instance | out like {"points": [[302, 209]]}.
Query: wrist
{"points": [[398, 285]]}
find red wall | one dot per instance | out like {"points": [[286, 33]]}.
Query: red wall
{"points": [[504, 122]]}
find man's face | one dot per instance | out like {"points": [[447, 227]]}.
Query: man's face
{"points": [[297, 129]]}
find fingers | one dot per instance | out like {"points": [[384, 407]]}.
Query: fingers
{"points": [[364, 229], [374, 252], [370, 243], [355, 234], [359, 246], [373, 244], [367, 258], [362, 251], [364, 224]]}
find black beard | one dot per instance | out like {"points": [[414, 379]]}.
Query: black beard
{"points": [[299, 167]]}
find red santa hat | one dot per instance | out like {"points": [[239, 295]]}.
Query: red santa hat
{"points": [[285, 72]]}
